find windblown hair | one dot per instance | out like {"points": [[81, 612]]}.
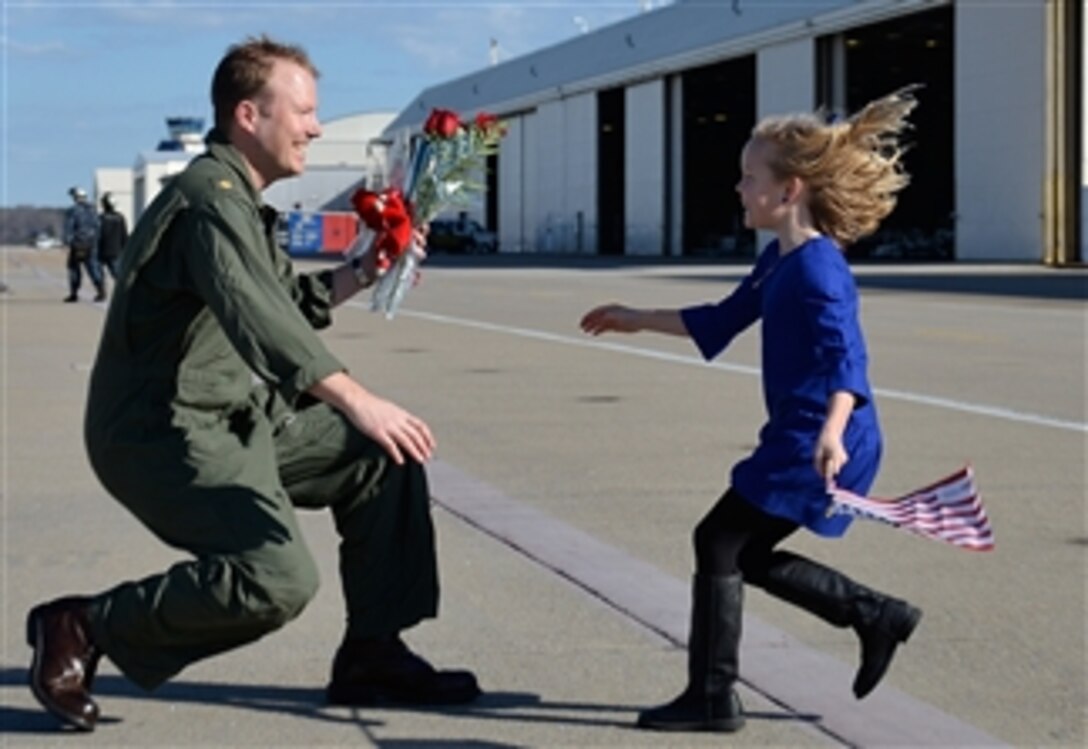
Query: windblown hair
{"points": [[852, 168], [244, 71]]}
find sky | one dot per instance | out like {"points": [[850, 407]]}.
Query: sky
{"points": [[89, 84]]}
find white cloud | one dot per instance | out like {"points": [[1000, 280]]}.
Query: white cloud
{"points": [[32, 49], [435, 57], [446, 41], [458, 39], [176, 15]]}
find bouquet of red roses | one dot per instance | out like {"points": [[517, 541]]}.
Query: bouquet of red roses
{"points": [[432, 173]]}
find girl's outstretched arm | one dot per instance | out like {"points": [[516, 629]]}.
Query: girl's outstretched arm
{"points": [[615, 318]]}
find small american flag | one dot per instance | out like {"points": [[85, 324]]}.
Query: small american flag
{"points": [[949, 510]]}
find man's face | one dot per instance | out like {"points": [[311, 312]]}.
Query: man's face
{"points": [[285, 122]]}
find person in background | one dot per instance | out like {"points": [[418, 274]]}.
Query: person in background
{"points": [[112, 235], [215, 465], [818, 187], [81, 236]]}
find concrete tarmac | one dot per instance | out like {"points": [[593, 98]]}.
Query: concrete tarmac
{"points": [[570, 474]]}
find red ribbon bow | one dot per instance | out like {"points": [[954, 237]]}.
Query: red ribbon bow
{"points": [[389, 215]]}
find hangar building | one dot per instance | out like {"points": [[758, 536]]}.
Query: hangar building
{"points": [[625, 140]]}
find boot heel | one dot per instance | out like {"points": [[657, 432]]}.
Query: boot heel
{"points": [[727, 725], [908, 622], [32, 627], [690, 712]]}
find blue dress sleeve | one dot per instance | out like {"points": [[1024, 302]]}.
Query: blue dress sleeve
{"points": [[713, 326], [830, 299]]}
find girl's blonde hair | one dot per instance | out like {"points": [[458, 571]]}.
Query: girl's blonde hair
{"points": [[851, 168]]}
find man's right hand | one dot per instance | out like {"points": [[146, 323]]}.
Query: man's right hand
{"points": [[393, 428], [396, 430]]}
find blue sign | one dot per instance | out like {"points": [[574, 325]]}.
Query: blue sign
{"points": [[304, 233]]}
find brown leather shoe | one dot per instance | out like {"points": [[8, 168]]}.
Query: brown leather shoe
{"points": [[65, 660]]}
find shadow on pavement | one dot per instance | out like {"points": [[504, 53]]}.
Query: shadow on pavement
{"points": [[524, 707], [304, 702]]}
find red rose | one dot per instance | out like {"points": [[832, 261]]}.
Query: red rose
{"points": [[443, 123], [486, 121]]}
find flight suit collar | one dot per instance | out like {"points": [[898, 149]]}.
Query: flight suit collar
{"points": [[221, 149]]}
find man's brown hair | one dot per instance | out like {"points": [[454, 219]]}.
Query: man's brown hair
{"points": [[244, 71]]}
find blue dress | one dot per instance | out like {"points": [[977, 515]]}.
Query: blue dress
{"points": [[812, 346]]}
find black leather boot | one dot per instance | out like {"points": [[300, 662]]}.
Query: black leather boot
{"points": [[881, 622], [710, 703], [383, 670]]}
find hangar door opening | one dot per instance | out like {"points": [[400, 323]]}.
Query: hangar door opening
{"points": [[611, 175], [719, 113], [867, 62]]}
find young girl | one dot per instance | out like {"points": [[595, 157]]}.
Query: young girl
{"points": [[818, 187]]}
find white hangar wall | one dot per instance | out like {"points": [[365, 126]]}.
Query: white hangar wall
{"points": [[645, 187], [1000, 119], [548, 178], [511, 198], [580, 182]]}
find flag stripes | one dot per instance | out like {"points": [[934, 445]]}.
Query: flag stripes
{"points": [[948, 510]]}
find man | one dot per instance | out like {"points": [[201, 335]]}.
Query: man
{"points": [[112, 235], [81, 236], [214, 466]]}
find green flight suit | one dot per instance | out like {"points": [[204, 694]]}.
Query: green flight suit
{"points": [[177, 430]]}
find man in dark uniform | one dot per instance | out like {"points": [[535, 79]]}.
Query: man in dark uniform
{"points": [[112, 235], [213, 465], [81, 236]]}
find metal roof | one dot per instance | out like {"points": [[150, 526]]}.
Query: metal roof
{"points": [[651, 43]]}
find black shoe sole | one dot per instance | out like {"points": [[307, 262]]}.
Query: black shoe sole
{"points": [[677, 717], [357, 695], [914, 615], [35, 638], [713, 726]]}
